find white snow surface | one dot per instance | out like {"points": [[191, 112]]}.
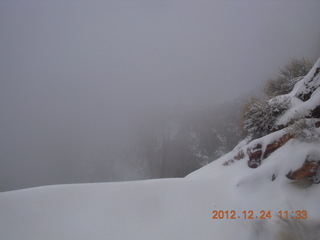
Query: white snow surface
{"points": [[166, 208], [173, 209]]}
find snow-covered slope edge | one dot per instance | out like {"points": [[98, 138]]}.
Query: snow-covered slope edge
{"points": [[153, 209], [300, 123], [286, 162], [264, 175]]}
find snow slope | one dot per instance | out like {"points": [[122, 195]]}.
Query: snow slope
{"points": [[160, 209], [154, 209], [175, 209]]}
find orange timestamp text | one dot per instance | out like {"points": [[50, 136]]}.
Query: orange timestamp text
{"points": [[263, 214]]}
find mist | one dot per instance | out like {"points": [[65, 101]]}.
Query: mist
{"points": [[77, 77]]}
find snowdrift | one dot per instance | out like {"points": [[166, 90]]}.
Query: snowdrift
{"points": [[263, 189]]}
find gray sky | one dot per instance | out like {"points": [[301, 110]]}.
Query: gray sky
{"points": [[76, 74]]}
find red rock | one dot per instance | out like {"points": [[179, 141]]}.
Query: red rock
{"points": [[307, 170]]}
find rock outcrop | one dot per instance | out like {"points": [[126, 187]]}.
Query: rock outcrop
{"points": [[300, 122]]}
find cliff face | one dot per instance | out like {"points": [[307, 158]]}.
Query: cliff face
{"points": [[299, 123], [279, 170]]}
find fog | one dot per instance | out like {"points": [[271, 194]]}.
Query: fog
{"points": [[76, 77]]}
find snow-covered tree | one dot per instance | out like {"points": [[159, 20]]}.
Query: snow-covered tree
{"points": [[259, 115]]}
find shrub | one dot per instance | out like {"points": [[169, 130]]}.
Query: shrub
{"points": [[259, 115], [304, 130], [289, 75]]}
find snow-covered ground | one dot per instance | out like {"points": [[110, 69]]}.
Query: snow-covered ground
{"points": [[163, 209], [176, 209]]}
